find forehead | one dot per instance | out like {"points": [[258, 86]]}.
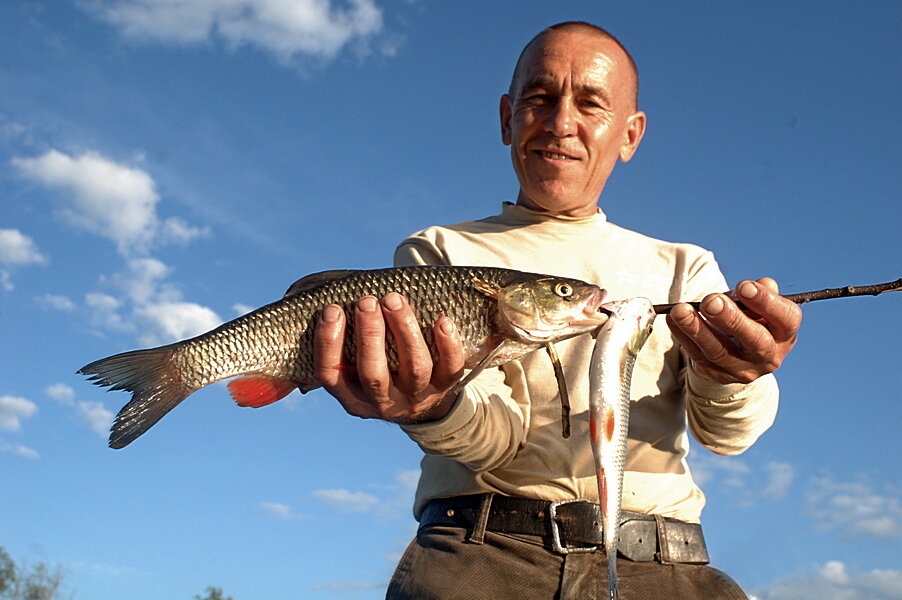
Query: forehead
{"points": [[575, 56]]}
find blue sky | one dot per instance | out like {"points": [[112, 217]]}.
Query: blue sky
{"points": [[165, 169]]}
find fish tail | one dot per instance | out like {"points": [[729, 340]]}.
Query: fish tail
{"points": [[155, 383], [613, 593]]}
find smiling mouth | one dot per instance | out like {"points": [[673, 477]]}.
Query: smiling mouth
{"points": [[553, 155]]}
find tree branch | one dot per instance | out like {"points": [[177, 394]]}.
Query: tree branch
{"points": [[826, 294]]}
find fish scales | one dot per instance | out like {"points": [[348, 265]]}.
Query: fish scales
{"points": [[272, 347]]}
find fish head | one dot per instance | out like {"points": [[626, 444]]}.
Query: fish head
{"points": [[548, 309], [638, 318]]}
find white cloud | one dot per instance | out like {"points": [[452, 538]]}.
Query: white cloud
{"points": [[855, 509], [105, 312], [106, 198], [175, 230], [241, 309], [95, 416], [150, 306], [407, 481], [58, 302], [62, 393], [19, 450], [353, 501], [286, 29], [13, 410], [280, 511], [113, 200], [834, 581], [771, 480], [780, 476], [16, 250], [166, 322], [145, 281]]}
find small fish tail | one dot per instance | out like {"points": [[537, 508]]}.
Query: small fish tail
{"points": [[155, 384], [613, 593]]}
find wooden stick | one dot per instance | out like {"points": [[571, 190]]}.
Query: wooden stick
{"points": [[826, 294]]}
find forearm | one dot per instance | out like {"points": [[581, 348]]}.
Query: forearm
{"points": [[483, 430]]}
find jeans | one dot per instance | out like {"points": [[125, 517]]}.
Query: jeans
{"points": [[440, 564]]}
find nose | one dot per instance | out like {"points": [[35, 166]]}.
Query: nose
{"points": [[561, 120]]}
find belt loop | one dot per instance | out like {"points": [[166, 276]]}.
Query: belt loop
{"points": [[663, 554], [477, 534]]}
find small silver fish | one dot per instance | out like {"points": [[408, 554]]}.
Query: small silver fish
{"points": [[501, 315], [610, 372]]}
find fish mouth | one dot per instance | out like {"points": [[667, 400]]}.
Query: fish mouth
{"points": [[595, 314]]}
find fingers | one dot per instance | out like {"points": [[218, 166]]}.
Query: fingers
{"points": [[732, 344], [707, 348], [370, 389], [371, 361], [450, 366], [414, 360], [783, 317], [328, 342], [328, 363]]}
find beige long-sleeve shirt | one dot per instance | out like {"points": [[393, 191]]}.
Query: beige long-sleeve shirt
{"points": [[504, 433]]}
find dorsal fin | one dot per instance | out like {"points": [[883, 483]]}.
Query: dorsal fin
{"points": [[489, 289], [305, 284]]}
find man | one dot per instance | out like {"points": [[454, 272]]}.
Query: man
{"points": [[496, 466]]}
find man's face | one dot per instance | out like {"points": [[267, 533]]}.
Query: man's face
{"points": [[571, 117]]}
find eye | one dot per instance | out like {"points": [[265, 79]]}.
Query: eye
{"points": [[564, 290]]}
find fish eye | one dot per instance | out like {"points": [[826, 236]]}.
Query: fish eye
{"points": [[564, 290]]}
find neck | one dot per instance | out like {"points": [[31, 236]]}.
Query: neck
{"points": [[586, 210]]}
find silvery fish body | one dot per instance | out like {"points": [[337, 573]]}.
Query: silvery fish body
{"points": [[272, 346], [610, 372]]}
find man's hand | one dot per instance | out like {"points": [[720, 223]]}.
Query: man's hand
{"points": [[418, 391], [728, 345]]}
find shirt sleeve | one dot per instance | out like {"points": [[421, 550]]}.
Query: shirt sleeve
{"points": [[486, 425], [725, 418]]}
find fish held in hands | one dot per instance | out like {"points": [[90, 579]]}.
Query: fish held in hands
{"points": [[610, 373], [501, 315]]}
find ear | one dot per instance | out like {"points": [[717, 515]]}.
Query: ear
{"points": [[504, 110], [489, 289], [635, 129]]}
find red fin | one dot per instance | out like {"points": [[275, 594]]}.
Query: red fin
{"points": [[259, 390], [609, 425]]}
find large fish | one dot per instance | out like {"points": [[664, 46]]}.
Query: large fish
{"points": [[501, 315], [610, 372]]}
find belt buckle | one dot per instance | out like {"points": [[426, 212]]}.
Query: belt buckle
{"points": [[556, 534]]}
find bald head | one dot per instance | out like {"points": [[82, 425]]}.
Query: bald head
{"points": [[582, 26]]}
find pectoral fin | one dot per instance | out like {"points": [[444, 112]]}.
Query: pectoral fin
{"points": [[562, 388], [480, 366]]}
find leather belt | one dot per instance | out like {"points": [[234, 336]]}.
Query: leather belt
{"points": [[569, 526]]}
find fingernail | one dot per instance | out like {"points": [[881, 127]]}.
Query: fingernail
{"points": [[714, 306], [682, 314], [392, 301], [447, 326], [330, 314], [748, 290], [367, 304]]}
